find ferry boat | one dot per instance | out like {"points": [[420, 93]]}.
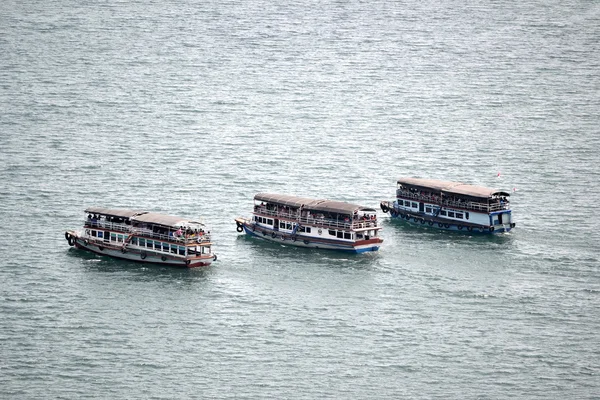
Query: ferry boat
{"points": [[313, 223], [144, 236], [451, 206]]}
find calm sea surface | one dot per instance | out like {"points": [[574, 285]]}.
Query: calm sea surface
{"points": [[190, 108]]}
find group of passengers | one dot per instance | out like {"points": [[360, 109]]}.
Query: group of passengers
{"points": [[447, 200], [96, 220]]}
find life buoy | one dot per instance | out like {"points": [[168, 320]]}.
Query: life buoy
{"points": [[384, 208], [306, 242], [320, 231], [187, 262], [446, 226], [273, 235], [264, 233], [460, 227], [86, 242], [215, 258], [164, 258], [123, 250], [67, 236], [143, 255], [470, 228], [491, 229], [239, 228], [293, 238], [430, 223], [394, 213], [100, 248], [199, 240], [440, 224], [422, 221]]}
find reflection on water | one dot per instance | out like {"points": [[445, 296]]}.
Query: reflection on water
{"points": [[137, 270], [277, 252], [422, 232]]}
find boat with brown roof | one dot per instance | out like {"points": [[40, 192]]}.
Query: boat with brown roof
{"points": [[144, 236], [313, 223], [451, 206]]}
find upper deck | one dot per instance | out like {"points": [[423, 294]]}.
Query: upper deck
{"points": [[316, 212], [148, 225], [453, 194]]}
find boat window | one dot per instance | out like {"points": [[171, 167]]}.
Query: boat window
{"points": [[181, 251], [428, 209], [451, 214], [157, 246], [142, 242], [347, 235], [165, 247], [269, 221], [174, 248], [134, 241], [281, 224], [113, 237], [150, 243], [100, 234], [289, 226], [340, 234], [332, 232], [415, 205], [400, 202], [459, 215], [442, 212], [94, 233], [307, 229], [467, 215], [256, 218], [302, 229]]}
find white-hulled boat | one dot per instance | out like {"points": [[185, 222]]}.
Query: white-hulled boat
{"points": [[451, 206], [144, 236], [306, 222]]}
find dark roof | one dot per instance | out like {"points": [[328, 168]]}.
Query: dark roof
{"points": [[286, 200], [311, 204], [162, 219], [449, 187], [113, 212]]}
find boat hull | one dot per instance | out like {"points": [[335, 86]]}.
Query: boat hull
{"points": [[427, 221], [299, 240], [139, 255]]}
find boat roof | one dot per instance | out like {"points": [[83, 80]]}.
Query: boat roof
{"points": [[165, 220], [451, 187], [113, 212], [311, 204]]}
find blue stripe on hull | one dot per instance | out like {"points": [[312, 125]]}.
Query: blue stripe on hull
{"points": [[320, 245], [452, 227]]}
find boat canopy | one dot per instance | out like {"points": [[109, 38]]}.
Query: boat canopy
{"points": [[285, 200], [165, 220], [452, 188], [113, 212], [330, 206]]}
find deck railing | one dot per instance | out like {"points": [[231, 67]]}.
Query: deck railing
{"points": [[468, 205], [321, 222], [147, 233]]}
